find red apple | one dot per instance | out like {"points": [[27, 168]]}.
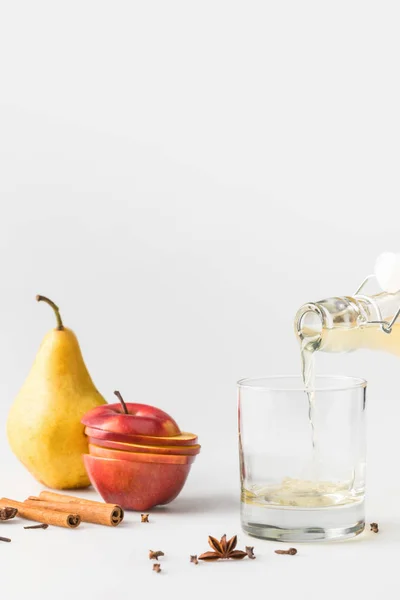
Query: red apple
{"points": [[135, 485], [186, 450], [184, 439], [140, 419], [170, 459]]}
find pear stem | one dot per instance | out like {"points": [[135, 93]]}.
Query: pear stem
{"points": [[120, 398], [60, 325]]}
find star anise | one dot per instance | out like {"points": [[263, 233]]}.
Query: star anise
{"points": [[222, 549]]}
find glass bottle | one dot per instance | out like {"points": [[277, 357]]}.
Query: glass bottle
{"points": [[347, 323]]}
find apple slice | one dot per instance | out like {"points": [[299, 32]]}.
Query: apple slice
{"points": [[131, 419], [183, 439], [185, 450], [171, 459]]}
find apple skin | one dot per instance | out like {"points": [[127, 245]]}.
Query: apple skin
{"points": [[185, 450], [141, 419], [135, 485], [169, 459], [183, 439]]}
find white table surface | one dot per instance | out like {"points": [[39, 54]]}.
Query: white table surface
{"points": [[180, 177], [96, 562]]}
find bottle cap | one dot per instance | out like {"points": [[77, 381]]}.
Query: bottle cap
{"points": [[387, 271]]}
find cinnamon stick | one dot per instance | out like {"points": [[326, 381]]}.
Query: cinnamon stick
{"points": [[44, 515], [89, 514], [91, 511]]}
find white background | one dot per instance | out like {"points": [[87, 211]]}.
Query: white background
{"points": [[180, 177]]}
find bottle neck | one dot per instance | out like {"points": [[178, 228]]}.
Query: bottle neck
{"points": [[335, 324]]}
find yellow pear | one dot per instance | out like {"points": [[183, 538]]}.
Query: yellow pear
{"points": [[44, 424]]}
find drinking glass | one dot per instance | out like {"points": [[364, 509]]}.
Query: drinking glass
{"points": [[302, 457]]}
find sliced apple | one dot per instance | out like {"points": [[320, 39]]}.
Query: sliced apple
{"points": [[183, 439], [135, 485], [173, 459], [185, 450]]}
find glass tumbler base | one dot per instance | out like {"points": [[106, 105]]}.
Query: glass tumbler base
{"points": [[303, 525]]}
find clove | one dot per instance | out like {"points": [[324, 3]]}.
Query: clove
{"points": [[156, 555], [145, 518], [194, 559], [291, 551], [2, 539], [250, 551], [40, 526], [157, 567], [374, 527]]}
